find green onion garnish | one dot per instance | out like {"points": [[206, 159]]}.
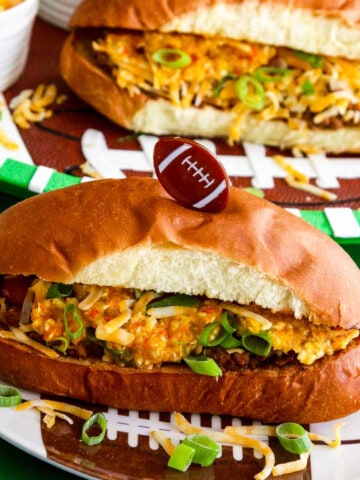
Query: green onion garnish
{"points": [[180, 300], [213, 334], [206, 449], [231, 342], [307, 87], [203, 365], [271, 74], [71, 314], [260, 344], [315, 61], [171, 57], [59, 290], [61, 344], [9, 396], [96, 419], [293, 437], [182, 457], [228, 321], [251, 92], [221, 84]]}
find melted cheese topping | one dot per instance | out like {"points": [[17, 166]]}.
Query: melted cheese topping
{"points": [[136, 335], [326, 94]]}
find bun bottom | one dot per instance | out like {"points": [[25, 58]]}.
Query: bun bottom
{"points": [[144, 114], [327, 390]]}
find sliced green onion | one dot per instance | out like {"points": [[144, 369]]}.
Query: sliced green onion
{"points": [[61, 344], [231, 342], [307, 87], [71, 312], [221, 84], [251, 92], [315, 61], [206, 449], [180, 300], [213, 334], [260, 344], [182, 457], [59, 290], [228, 321], [271, 74], [9, 396], [203, 366], [171, 57], [96, 419], [293, 437]]}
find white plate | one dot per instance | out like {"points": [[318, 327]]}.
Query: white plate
{"points": [[23, 429]]}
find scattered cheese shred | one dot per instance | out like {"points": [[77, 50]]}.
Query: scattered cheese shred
{"points": [[34, 106], [221, 437], [164, 441], [51, 415], [285, 165], [309, 188], [19, 336], [291, 467], [55, 406], [244, 436]]}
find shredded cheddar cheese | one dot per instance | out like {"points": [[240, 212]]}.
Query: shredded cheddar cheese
{"points": [[246, 436], [302, 92], [34, 105], [310, 188], [128, 330], [299, 180]]}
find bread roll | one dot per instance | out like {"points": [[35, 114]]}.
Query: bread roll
{"points": [[324, 118], [130, 233]]}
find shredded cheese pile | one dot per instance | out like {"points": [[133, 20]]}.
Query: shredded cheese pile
{"points": [[34, 105], [246, 436], [325, 95]]}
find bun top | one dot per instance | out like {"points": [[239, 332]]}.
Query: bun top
{"points": [[131, 233], [309, 25], [150, 15]]}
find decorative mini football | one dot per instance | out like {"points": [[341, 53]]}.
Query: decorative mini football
{"points": [[191, 174]]}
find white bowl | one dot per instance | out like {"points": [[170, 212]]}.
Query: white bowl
{"points": [[58, 13], [15, 32]]}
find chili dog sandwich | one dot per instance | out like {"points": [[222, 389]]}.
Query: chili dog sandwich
{"points": [[286, 74], [113, 293]]}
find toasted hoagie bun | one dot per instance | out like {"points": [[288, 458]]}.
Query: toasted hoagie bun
{"points": [[312, 102], [128, 241]]}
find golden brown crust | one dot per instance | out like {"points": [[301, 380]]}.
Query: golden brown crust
{"points": [[138, 14], [94, 85], [57, 235], [327, 390]]}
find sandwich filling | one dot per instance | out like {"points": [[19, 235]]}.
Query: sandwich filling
{"points": [[143, 329], [265, 82]]}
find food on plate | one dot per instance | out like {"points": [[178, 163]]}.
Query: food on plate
{"points": [[265, 72], [113, 293]]}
